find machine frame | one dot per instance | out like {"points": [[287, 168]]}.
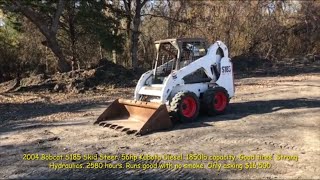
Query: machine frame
{"points": [[212, 62]]}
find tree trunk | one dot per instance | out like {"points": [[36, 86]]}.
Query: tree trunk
{"points": [[135, 35], [49, 32], [128, 61], [63, 65], [72, 34], [135, 42]]}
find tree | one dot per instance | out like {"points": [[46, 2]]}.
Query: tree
{"points": [[46, 16], [8, 48], [133, 10], [78, 18], [85, 22], [136, 12]]}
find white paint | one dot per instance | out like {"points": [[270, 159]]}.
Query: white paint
{"points": [[175, 83]]}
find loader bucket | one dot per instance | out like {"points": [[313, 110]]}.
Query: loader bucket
{"points": [[135, 117]]}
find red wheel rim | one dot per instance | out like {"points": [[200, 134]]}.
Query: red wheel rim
{"points": [[189, 107], [220, 101]]}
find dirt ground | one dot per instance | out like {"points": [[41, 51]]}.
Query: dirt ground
{"points": [[268, 116]]}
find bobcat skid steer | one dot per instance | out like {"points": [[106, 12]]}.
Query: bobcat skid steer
{"points": [[187, 76]]}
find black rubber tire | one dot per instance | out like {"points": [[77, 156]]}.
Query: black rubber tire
{"points": [[176, 107], [208, 101]]}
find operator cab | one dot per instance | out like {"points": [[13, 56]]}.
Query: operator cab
{"points": [[174, 54]]}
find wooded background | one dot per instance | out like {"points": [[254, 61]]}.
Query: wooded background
{"points": [[62, 35]]}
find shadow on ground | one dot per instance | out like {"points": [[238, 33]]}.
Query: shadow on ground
{"points": [[240, 110], [22, 111], [18, 116], [40, 169], [18, 113]]}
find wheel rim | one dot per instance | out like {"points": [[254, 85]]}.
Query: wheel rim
{"points": [[220, 101], [189, 107]]}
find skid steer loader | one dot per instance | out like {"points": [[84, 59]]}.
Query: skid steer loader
{"points": [[187, 76]]}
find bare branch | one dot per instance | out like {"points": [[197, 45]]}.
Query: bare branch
{"points": [[144, 2], [127, 6], [167, 18]]}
